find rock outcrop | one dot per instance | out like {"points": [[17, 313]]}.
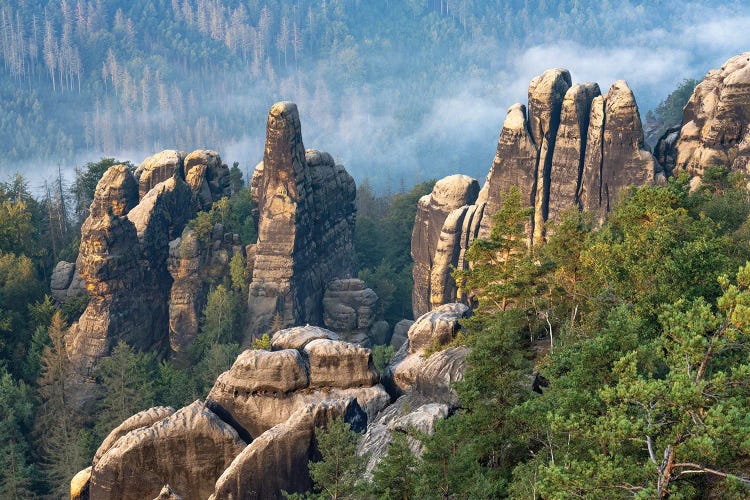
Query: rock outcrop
{"points": [[447, 195], [716, 121], [350, 309], [432, 375], [278, 459], [622, 160], [254, 435], [188, 450], [194, 264], [307, 365], [123, 258], [574, 148], [305, 226]]}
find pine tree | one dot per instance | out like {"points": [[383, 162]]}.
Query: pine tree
{"points": [[338, 473], [394, 477]]}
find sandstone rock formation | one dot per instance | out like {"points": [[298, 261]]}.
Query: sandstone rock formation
{"points": [[410, 367], [623, 160], [350, 308], [125, 244], [66, 283], [447, 195], [305, 226], [187, 450], [307, 365], [546, 94], [573, 149], [400, 333], [207, 177], [570, 147], [715, 130], [254, 435], [193, 265], [277, 460]]}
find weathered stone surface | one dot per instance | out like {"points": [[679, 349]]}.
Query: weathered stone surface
{"points": [[277, 460], [410, 370], [514, 165], [79, 485], [66, 282], [447, 195], [305, 226], [570, 147], [167, 493], [590, 194], [400, 333], [299, 336], [207, 177], [193, 265], [349, 308], [262, 389], [437, 327], [146, 418], [438, 373], [546, 94], [339, 364], [158, 168], [256, 370], [188, 450], [409, 412], [123, 255], [715, 124]]}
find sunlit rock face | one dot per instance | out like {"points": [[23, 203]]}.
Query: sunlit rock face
{"points": [[716, 121], [305, 226], [571, 147]]}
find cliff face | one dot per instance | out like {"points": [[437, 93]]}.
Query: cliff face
{"points": [[715, 125], [573, 148], [305, 226], [123, 257]]}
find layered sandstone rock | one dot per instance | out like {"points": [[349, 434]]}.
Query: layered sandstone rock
{"points": [[546, 94], [308, 365], [573, 149], [278, 459], [207, 177], [349, 308], [66, 283], [715, 130], [305, 226], [188, 450], [618, 156], [158, 168], [145, 418], [570, 148], [123, 261], [411, 367], [194, 264], [447, 195]]}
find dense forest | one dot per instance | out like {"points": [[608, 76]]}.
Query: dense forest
{"points": [[82, 79]]}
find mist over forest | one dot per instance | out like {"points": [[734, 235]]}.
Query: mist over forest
{"points": [[397, 91]]}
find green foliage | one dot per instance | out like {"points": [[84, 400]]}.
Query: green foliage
{"points": [[238, 272], [669, 112], [382, 244], [337, 475], [394, 477], [264, 342], [16, 415], [220, 322], [382, 356], [127, 382]]}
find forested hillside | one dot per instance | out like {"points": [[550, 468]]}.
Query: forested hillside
{"points": [[385, 83]]}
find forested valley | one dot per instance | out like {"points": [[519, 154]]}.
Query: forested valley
{"points": [[82, 79]]}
